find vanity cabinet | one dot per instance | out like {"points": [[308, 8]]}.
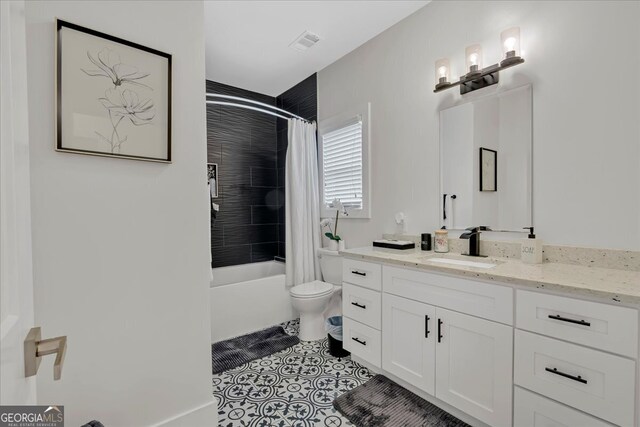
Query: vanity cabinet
{"points": [[533, 410], [505, 356], [409, 334], [361, 309], [474, 359], [574, 370], [460, 359]]}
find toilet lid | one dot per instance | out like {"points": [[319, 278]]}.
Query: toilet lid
{"points": [[312, 289]]}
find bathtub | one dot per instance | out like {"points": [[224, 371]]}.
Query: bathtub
{"points": [[249, 297]]}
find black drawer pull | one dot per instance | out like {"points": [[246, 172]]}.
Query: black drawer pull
{"points": [[359, 273], [426, 326], [564, 319], [562, 374], [439, 330], [359, 305], [359, 342]]}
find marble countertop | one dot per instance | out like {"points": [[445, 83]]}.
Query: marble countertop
{"points": [[619, 286]]}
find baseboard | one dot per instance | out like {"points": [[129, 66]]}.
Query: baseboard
{"points": [[202, 415]]}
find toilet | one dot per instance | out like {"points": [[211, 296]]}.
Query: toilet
{"points": [[312, 298]]}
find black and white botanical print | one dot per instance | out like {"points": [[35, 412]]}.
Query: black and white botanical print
{"points": [[119, 101], [114, 96]]}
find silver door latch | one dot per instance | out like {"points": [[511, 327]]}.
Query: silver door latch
{"points": [[35, 348]]}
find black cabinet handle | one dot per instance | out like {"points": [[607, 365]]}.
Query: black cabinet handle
{"points": [[359, 273], [359, 342], [359, 305], [562, 374], [426, 326], [564, 319], [439, 330]]}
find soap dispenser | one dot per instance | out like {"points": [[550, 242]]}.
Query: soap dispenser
{"points": [[531, 248]]}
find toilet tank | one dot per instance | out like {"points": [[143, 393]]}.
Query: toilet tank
{"points": [[331, 266]]}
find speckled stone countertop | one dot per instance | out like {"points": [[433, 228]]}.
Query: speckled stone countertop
{"points": [[614, 285]]}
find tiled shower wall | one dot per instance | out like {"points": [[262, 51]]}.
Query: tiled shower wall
{"points": [[244, 145], [250, 150], [302, 99]]}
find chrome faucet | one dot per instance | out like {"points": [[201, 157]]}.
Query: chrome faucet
{"points": [[473, 234]]}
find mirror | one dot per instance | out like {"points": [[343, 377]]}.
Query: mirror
{"points": [[486, 162]]}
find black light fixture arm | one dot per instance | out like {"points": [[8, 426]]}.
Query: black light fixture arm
{"points": [[488, 76]]}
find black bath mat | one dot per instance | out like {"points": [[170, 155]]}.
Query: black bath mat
{"points": [[237, 351], [382, 403]]}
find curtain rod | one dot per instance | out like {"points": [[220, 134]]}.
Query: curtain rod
{"points": [[251, 101]]}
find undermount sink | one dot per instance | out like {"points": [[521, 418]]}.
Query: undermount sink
{"points": [[461, 262]]}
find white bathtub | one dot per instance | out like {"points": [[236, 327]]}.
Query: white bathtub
{"points": [[249, 297]]}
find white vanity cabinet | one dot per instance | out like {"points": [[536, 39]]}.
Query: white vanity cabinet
{"points": [[474, 359], [574, 370], [409, 334], [361, 301], [502, 355], [460, 359]]}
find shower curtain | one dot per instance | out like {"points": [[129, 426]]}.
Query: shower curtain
{"points": [[302, 207]]}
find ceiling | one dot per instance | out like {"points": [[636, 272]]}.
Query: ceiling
{"points": [[247, 42]]}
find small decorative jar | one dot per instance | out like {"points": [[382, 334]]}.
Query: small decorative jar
{"points": [[442, 241]]}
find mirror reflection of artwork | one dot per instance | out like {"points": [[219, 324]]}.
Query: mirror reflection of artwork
{"points": [[486, 145], [212, 179], [488, 169]]}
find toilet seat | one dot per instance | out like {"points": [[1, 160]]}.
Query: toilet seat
{"points": [[314, 289]]}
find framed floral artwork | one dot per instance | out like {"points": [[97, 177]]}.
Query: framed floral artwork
{"points": [[113, 97]]}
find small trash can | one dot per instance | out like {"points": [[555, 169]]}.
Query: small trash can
{"points": [[333, 326]]}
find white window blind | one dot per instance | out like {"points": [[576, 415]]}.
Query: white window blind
{"points": [[342, 165]]}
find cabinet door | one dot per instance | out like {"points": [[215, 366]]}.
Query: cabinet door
{"points": [[474, 359], [408, 341]]}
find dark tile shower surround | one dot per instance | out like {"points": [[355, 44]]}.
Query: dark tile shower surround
{"points": [[250, 148]]}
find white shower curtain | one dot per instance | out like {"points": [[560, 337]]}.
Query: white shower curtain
{"points": [[302, 207]]}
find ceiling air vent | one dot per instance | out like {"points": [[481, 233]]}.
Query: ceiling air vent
{"points": [[304, 41]]}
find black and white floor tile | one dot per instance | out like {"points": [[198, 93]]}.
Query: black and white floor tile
{"points": [[294, 387]]}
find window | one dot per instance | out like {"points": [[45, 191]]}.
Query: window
{"points": [[344, 164]]}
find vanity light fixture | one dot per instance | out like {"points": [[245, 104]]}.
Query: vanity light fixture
{"points": [[478, 77]]}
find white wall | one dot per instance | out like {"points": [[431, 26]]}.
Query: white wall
{"points": [[586, 127], [121, 247]]}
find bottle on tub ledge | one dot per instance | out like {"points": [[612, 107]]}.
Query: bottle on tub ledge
{"points": [[531, 248]]}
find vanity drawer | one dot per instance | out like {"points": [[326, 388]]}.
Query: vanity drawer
{"points": [[367, 274], [481, 299], [603, 326], [362, 304], [595, 382], [533, 410], [362, 341]]}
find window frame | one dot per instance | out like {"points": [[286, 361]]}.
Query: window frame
{"points": [[343, 119]]}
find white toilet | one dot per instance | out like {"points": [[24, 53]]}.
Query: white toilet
{"points": [[311, 299]]}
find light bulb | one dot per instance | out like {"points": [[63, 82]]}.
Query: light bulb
{"points": [[510, 46], [442, 72], [474, 59]]}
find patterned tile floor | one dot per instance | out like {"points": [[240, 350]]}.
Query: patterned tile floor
{"points": [[294, 387]]}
